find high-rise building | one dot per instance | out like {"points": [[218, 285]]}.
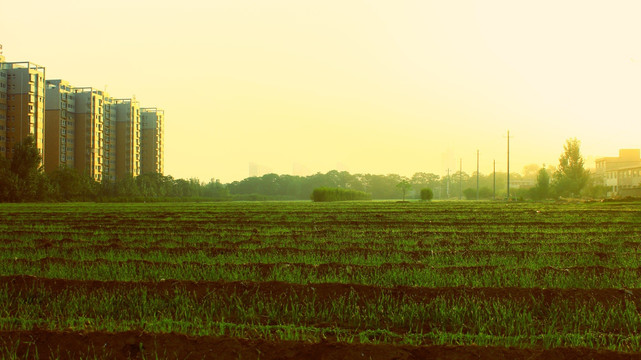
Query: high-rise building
{"points": [[60, 125], [127, 137], [89, 131], [3, 108], [74, 128], [22, 94], [109, 138], [86, 128], [151, 140]]}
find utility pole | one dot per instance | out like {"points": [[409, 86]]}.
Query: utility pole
{"points": [[494, 184], [508, 165], [460, 178], [477, 174]]}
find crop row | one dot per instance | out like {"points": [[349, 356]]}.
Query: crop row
{"points": [[388, 274], [354, 256], [478, 243], [304, 217], [351, 316]]}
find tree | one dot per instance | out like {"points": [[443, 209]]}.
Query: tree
{"points": [[26, 159], [570, 176], [404, 185], [542, 188], [421, 180], [70, 185], [23, 178], [469, 193], [595, 190], [427, 194]]}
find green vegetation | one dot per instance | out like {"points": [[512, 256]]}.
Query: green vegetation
{"points": [[570, 177], [485, 273], [22, 180], [404, 185], [338, 194], [542, 189], [427, 194]]}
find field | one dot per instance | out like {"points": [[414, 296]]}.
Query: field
{"points": [[367, 280]]}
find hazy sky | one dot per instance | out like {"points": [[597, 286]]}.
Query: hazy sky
{"points": [[361, 85]]}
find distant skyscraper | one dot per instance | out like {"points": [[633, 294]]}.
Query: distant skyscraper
{"points": [[74, 128], [127, 137], [59, 125], [89, 128], [258, 170], [78, 127], [109, 118], [22, 94], [152, 140]]}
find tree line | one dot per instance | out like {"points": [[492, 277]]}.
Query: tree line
{"points": [[23, 179]]}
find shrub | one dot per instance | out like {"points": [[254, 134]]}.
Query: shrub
{"points": [[338, 194], [427, 194]]}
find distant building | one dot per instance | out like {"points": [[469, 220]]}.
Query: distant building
{"points": [[152, 140], [59, 125], [256, 170], [89, 131], [74, 128], [22, 112], [127, 137], [522, 183], [109, 117], [620, 173], [78, 127], [626, 158]]}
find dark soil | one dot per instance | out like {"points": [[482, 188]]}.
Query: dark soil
{"points": [[325, 292], [139, 345], [326, 268]]}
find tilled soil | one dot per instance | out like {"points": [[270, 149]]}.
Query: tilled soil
{"points": [[326, 292], [42, 344], [326, 268]]}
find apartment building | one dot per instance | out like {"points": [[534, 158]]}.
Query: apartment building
{"points": [[60, 125], [109, 118], [89, 131], [78, 127], [152, 145], [74, 128], [3, 107], [22, 112], [127, 137]]}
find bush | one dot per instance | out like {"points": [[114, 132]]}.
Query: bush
{"points": [[427, 194], [338, 194]]}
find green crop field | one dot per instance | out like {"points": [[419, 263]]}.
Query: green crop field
{"points": [[305, 280]]}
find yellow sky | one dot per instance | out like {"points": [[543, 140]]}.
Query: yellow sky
{"points": [[365, 86]]}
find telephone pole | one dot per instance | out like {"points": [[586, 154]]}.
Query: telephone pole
{"points": [[508, 165]]}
